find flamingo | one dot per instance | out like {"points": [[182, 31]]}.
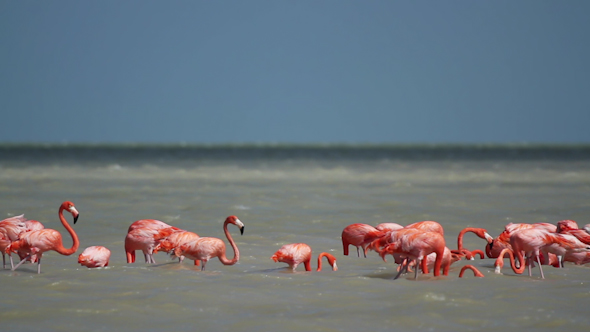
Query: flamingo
{"points": [[40, 241], [571, 227], [533, 241], [31, 225], [171, 243], [424, 226], [359, 235], [144, 235], [95, 256], [503, 240], [448, 258], [482, 233], [10, 229], [205, 248], [476, 272], [415, 244], [296, 253]]}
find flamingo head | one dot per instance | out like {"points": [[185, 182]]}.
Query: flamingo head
{"points": [[234, 220], [69, 206]]}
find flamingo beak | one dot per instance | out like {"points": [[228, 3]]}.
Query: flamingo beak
{"points": [[74, 213], [242, 230], [489, 238]]}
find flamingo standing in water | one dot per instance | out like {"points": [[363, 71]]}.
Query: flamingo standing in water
{"points": [[482, 233], [532, 242], [40, 241], [173, 242], [205, 248], [503, 240], [359, 235], [144, 235], [296, 253], [10, 229], [416, 245], [95, 256]]}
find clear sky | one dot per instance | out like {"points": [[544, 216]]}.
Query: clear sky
{"points": [[295, 71]]}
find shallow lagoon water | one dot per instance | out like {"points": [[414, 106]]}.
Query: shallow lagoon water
{"points": [[284, 199]]}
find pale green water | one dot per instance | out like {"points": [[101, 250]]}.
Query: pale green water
{"points": [[286, 200]]}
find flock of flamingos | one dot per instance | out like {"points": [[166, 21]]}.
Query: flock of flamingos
{"points": [[419, 246]]}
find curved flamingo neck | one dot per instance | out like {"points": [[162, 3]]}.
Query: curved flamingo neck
{"points": [[223, 258], [76, 243], [331, 261], [476, 272], [461, 234], [516, 270]]}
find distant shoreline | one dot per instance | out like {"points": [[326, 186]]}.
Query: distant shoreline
{"points": [[128, 145], [162, 153]]}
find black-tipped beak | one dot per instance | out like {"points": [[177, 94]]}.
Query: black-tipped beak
{"points": [[242, 230], [491, 244], [76, 218]]}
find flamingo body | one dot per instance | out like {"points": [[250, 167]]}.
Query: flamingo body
{"points": [[95, 256], [359, 235], [205, 248], [145, 235], [39, 241]]}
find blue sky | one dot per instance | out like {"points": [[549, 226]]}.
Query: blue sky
{"points": [[295, 71]]}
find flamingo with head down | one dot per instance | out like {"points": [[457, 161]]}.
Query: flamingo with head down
{"points": [[359, 235], [296, 253], [144, 235], [10, 230], [482, 233], [95, 256]]}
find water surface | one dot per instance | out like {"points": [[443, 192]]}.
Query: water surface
{"points": [[286, 195]]}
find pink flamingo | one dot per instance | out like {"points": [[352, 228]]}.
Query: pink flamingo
{"points": [[95, 256], [571, 227], [503, 240], [10, 229], [296, 253], [205, 248], [359, 235], [40, 241], [532, 242], [448, 258], [415, 244], [385, 238], [482, 233], [476, 272], [173, 242], [145, 235]]}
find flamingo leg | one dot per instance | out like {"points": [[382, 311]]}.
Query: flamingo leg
{"points": [[205, 262], [403, 268], [39, 265], [358, 252], [11, 261], [418, 261], [21, 262], [3, 261], [540, 267]]}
